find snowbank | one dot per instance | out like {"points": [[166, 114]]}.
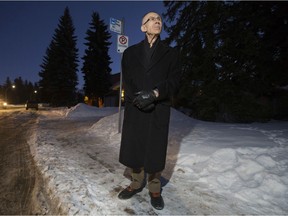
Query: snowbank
{"points": [[212, 168]]}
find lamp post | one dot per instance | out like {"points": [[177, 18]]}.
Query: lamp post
{"points": [[35, 95], [13, 86]]}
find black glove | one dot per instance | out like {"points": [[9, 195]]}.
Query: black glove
{"points": [[148, 108], [144, 98]]}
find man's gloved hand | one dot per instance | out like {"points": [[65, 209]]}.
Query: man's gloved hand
{"points": [[149, 108], [144, 98]]}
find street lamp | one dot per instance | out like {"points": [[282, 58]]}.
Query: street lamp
{"points": [[13, 86]]}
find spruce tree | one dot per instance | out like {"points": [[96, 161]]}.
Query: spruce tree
{"points": [[18, 91], [234, 55], [96, 70], [59, 68], [5, 89], [193, 29]]}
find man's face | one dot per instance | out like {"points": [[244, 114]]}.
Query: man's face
{"points": [[152, 24]]}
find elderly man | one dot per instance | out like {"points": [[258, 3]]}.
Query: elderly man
{"points": [[151, 76]]}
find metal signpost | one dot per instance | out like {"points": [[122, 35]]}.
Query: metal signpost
{"points": [[122, 43], [116, 25]]}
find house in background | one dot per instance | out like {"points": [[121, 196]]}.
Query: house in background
{"points": [[112, 98]]}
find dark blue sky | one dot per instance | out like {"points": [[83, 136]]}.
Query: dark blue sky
{"points": [[26, 30]]}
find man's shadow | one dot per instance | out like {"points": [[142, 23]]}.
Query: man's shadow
{"points": [[180, 126]]}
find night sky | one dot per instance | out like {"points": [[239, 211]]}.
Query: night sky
{"points": [[26, 30]]}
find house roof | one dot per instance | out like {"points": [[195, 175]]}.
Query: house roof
{"points": [[115, 80]]}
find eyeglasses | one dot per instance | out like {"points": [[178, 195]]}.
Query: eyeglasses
{"points": [[153, 19]]}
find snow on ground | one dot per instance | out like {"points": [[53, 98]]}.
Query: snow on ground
{"points": [[212, 168]]}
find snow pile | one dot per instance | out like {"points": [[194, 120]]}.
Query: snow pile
{"points": [[82, 110], [212, 168]]}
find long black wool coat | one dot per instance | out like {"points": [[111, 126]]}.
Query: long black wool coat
{"points": [[145, 134]]}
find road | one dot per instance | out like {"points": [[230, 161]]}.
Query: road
{"points": [[20, 185]]}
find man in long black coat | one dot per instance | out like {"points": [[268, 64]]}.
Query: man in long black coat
{"points": [[151, 76]]}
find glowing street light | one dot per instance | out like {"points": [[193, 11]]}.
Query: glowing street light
{"points": [[13, 87]]}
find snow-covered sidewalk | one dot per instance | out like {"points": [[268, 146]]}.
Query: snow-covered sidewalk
{"points": [[212, 168]]}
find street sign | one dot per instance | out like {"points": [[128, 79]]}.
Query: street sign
{"points": [[116, 25], [122, 43]]}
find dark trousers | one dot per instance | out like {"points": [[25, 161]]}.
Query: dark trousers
{"points": [[138, 177]]}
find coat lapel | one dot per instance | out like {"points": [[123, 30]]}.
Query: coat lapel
{"points": [[160, 51], [141, 54]]}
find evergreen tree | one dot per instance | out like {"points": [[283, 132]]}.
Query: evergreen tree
{"points": [[195, 34], [59, 68], [5, 88], [96, 63], [233, 57], [47, 74], [18, 91]]}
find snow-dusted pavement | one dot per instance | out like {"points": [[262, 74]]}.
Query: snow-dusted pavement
{"points": [[212, 168]]}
